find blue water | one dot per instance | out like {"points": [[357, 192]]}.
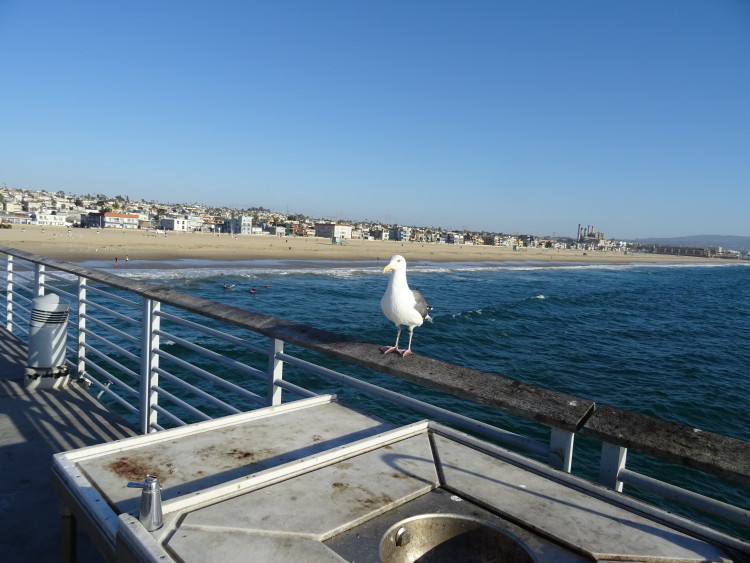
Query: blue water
{"points": [[671, 341], [664, 340]]}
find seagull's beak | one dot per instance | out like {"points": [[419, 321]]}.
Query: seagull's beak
{"points": [[386, 269]]}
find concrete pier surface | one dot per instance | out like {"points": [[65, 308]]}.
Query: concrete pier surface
{"points": [[34, 426]]}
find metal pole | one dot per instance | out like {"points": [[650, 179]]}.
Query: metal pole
{"points": [[9, 294], [39, 280], [561, 449], [612, 462], [81, 326], [275, 371], [149, 361]]}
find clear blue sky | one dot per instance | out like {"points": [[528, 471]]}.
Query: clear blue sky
{"points": [[525, 116]]}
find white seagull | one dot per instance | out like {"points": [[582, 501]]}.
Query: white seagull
{"points": [[403, 306]]}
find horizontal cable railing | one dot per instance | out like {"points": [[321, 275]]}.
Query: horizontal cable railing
{"points": [[208, 376], [503, 436], [137, 373], [622, 431], [209, 354], [213, 332], [688, 498]]}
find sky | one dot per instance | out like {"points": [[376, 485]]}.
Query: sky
{"points": [[517, 116]]}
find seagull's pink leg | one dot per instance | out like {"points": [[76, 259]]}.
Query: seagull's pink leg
{"points": [[389, 349], [408, 351]]}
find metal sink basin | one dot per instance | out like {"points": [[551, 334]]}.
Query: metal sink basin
{"points": [[451, 537], [441, 526]]}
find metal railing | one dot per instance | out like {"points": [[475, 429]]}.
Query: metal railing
{"points": [[131, 342]]}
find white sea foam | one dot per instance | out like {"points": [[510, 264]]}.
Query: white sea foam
{"points": [[169, 271]]}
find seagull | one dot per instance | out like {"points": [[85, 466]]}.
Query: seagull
{"points": [[403, 306]]}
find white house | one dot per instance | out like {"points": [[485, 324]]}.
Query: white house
{"points": [[333, 230], [50, 219], [176, 224]]}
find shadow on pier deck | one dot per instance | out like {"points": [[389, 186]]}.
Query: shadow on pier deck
{"points": [[34, 426]]}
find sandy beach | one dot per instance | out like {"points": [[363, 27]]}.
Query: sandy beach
{"points": [[82, 245]]}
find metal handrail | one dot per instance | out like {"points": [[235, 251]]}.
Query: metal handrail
{"points": [[694, 500]]}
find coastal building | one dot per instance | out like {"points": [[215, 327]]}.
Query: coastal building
{"points": [[400, 233], [49, 219], [240, 225], [588, 234], [211, 226], [302, 230], [12, 206], [333, 230], [455, 238], [379, 233], [175, 224], [110, 220], [16, 218], [275, 230], [187, 223], [684, 251]]}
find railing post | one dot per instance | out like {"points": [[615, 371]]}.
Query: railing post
{"points": [[561, 449], [612, 462], [9, 293], [149, 361], [81, 351], [275, 371], [39, 280]]}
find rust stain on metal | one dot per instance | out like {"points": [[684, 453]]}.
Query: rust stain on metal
{"points": [[240, 454], [206, 452], [381, 500], [134, 469]]}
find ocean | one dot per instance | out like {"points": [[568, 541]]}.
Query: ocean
{"points": [[671, 341]]}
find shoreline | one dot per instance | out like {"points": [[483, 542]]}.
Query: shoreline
{"points": [[107, 245]]}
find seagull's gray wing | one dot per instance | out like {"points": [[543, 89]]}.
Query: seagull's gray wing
{"points": [[421, 305]]}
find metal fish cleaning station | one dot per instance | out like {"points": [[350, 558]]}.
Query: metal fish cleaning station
{"points": [[116, 447]]}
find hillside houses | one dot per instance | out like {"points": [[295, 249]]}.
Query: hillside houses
{"points": [[102, 212], [29, 207]]}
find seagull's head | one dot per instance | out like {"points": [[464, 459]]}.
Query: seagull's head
{"points": [[397, 264]]}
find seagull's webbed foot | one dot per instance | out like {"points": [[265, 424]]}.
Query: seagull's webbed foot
{"points": [[405, 353], [389, 349]]}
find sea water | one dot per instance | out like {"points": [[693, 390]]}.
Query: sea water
{"points": [[665, 340]]}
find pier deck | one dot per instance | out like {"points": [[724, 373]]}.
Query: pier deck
{"points": [[33, 427]]}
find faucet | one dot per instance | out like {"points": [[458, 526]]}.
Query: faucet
{"points": [[150, 515]]}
